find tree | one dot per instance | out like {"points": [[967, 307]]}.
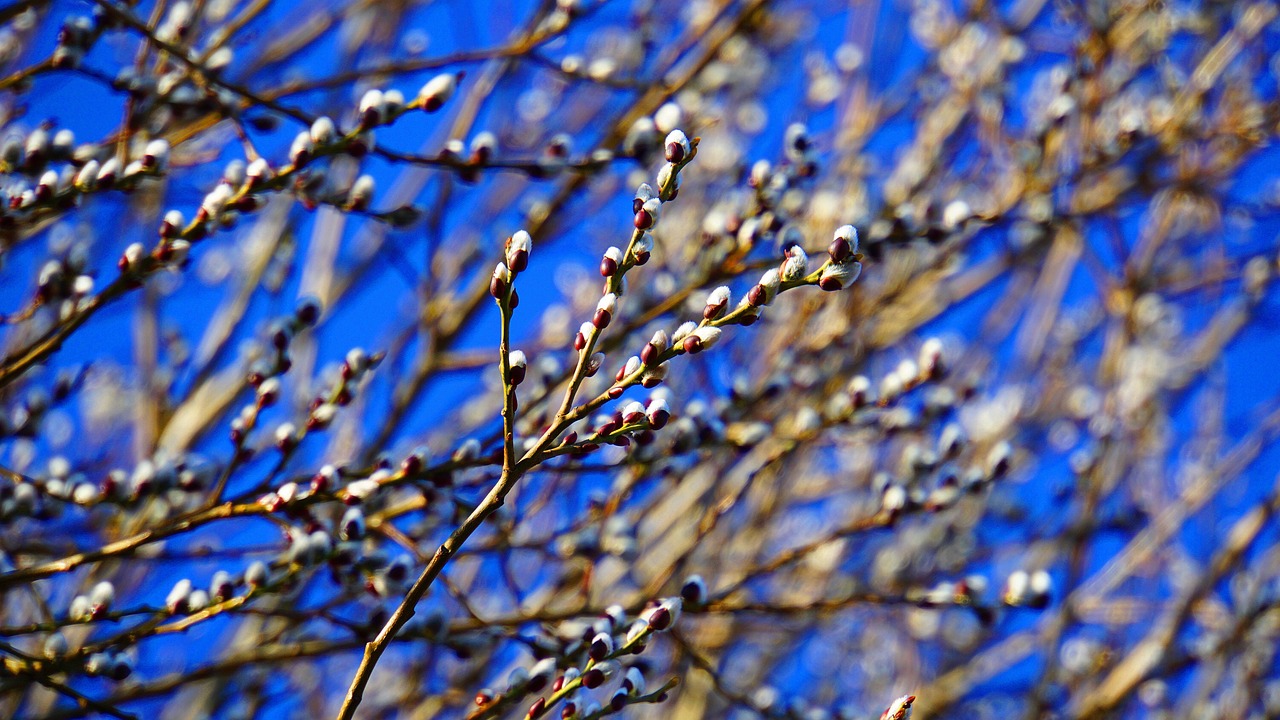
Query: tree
{"points": [[921, 361]]}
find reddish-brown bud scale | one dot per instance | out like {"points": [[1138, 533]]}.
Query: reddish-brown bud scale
{"points": [[539, 707], [615, 392], [482, 699], [692, 345], [518, 260], [839, 250], [643, 220], [579, 341], [651, 382], [649, 355], [497, 288], [412, 465], [675, 152], [660, 619], [517, 375], [593, 678], [515, 298], [608, 267], [601, 319], [658, 419], [757, 295], [830, 284]]}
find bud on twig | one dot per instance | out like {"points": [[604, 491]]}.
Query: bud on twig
{"points": [[437, 91], [518, 248]]}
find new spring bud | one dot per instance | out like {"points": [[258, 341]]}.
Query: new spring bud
{"points": [[684, 331], [956, 213], [258, 171], [518, 363], [482, 147], [605, 309], [838, 277], [501, 281], [677, 146], [648, 214], [642, 248], [900, 709], [257, 574], [632, 412], [633, 681], [518, 248], [286, 435], [796, 140], [844, 245], [216, 201], [541, 674], [87, 178], [610, 262], [653, 350], [717, 303], [392, 103], [694, 590], [302, 149], [46, 186], [437, 91], [221, 587], [101, 598], [1015, 588], [372, 108], [931, 357], [631, 367], [796, 266], [176, 601], [654, 376], [580, 340], [766, 290], [658, 413], [361, 192], [760, 173], [1040, 586], [156, 155], [665, 615], [109, 172], [644, 193], [172, 224], [596, 359], [701, 339], [601, 646]]}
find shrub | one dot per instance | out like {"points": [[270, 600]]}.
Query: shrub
{"points": [[922, 360]]}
